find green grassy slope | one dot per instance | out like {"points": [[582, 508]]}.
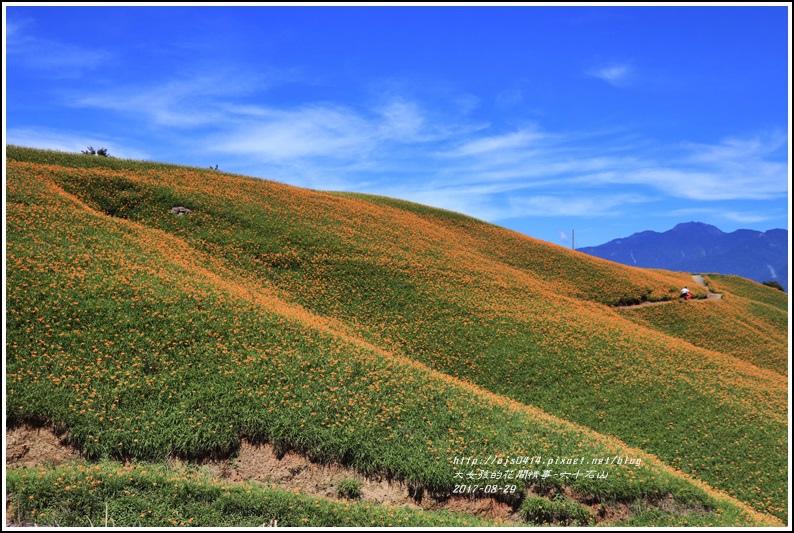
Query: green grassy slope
{"points": [[559, 270], [139, 495], [753, 331], [303, 318], [749, 289]]}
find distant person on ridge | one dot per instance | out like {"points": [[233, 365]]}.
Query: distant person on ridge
{"points": [[685, 294]]}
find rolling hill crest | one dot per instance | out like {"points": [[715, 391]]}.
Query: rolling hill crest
{"points": [[386, 335]]}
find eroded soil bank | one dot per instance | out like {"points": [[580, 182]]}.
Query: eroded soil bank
{"points": [[29, 447]]}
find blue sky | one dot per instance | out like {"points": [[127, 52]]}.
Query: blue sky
{"points": [[606, 120]]}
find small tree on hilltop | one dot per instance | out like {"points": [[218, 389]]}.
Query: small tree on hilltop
{"points": [[774, 284], [102, 151]]}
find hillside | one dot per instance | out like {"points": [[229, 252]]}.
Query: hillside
{"points": [[698, 247], [387, 336], [750, 323]]}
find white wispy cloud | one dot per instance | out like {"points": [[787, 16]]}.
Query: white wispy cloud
{"points": [[186, 102], [731, 215], [616, 74], [572, 204], [52, 58], [737, 168], [311, 131], [744, 217], [751, 168], [265, 133], [522, 139], [733, 148], [498, 208], [509, 98], [565, 175], [401, 120], [755, 167], [444, 160], [14, 29]]}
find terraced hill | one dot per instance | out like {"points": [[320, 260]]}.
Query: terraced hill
{"points": [[388, 336]]}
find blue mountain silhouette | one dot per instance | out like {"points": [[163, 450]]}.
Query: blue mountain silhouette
{"points": [[699, 247]]}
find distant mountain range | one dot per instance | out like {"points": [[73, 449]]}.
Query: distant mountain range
{"points": [[698, 247]]}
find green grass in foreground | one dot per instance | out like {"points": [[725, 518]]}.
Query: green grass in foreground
{"points": [[172, 495], [145, 495]]}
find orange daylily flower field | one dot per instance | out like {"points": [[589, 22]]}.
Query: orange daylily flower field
{"points": [[387, 336]]}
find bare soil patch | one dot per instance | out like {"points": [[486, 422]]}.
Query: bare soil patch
{"points": [[29, 446], [295, 472]]}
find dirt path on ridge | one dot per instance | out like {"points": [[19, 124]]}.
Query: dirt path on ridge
{"points": [[709, 295], [697, 278]]}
